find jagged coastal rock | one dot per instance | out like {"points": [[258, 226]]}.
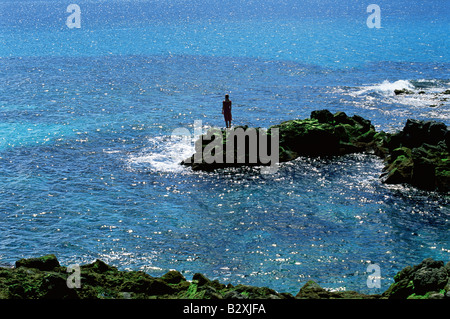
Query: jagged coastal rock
{"points": [[440, 98], [45, 278], [428, 280], [325, 134], [418, 155], [221, 148]]}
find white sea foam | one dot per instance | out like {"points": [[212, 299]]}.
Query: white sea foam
{"points": [[164, 155], [386, 88], [423, 93]]}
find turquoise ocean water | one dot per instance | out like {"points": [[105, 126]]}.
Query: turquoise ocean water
{"points": [[89, 169]]}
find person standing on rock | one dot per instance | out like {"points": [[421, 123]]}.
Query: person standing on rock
{"points": [[226, 111]]}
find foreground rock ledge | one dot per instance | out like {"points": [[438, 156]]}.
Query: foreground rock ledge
{"points": [[45, 278]]}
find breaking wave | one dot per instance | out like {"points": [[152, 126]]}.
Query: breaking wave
{"points": [[163, 154], [386, 88]]}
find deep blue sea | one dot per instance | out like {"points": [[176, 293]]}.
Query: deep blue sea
{"points": [[89, 167]]}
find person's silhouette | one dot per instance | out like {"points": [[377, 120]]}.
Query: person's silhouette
{"points": [[226, 111]]}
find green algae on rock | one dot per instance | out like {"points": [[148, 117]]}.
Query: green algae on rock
{"points": [[324, 134], [428, 280], [419, 155], [48, 262], [311, 290], [29, 280]]}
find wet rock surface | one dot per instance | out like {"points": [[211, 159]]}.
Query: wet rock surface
{"points": [[419, 155], [428, 280]]}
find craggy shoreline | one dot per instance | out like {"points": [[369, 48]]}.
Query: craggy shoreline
{"points": [[45, 278]]}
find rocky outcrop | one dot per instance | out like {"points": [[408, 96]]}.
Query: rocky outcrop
{"points": [[419, 155], [48, 262], [311, 290], [439, 98], [44, 278], [403, 91], [325, 134], [234, 147], [428, 280], [98, 280]]}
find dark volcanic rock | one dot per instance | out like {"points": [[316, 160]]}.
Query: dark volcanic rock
{"points": [[324, 134], [54, 286], [234, 147], [311, 290], [201, 279], [48, 262], [173, 277], [419, 155], [429, 279], [403, 91]]}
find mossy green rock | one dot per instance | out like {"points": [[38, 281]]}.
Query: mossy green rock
{"points": [[311, 290], [173, 277], [98, 280], [421, 281], [325, 134], [429, 279], [419, 155], [48, 262]]}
